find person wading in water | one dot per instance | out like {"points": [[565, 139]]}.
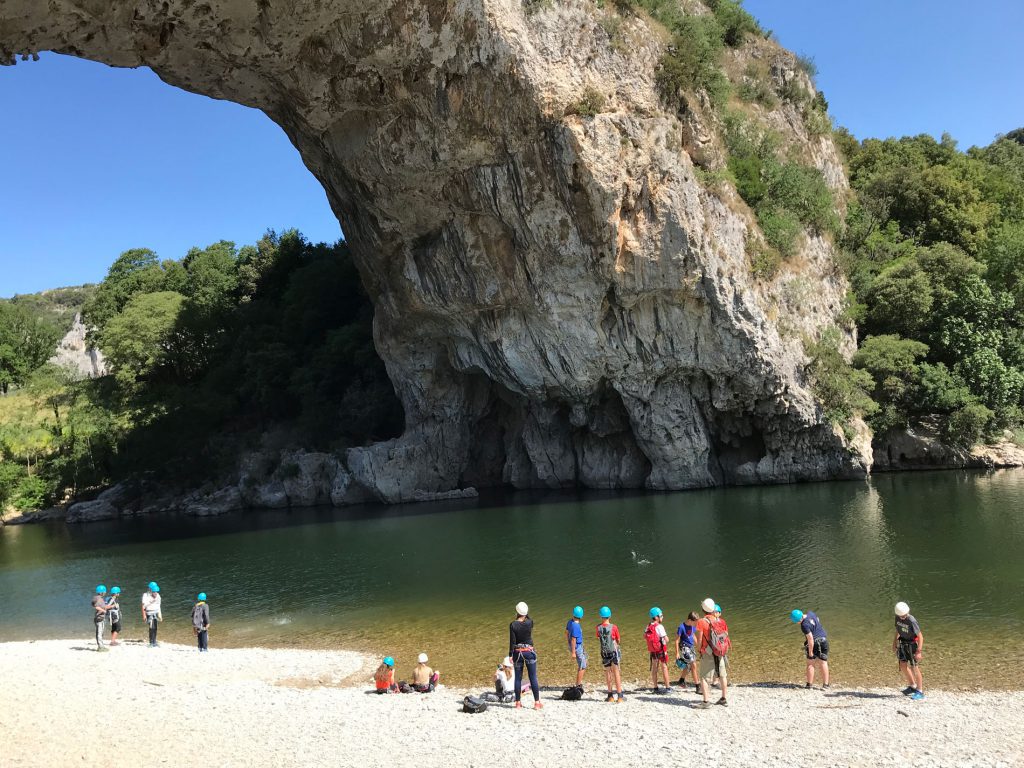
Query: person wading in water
{"points": [[520, 648]]}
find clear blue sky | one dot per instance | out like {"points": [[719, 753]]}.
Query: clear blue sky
{"points": [[904, 67], [96, 160]]}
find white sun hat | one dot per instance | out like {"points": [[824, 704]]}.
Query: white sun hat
{"points": [[422, 658], [522, 608]]}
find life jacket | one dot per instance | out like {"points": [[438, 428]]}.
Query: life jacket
{"points": [[604, 636], [655, 643], [717, 636]]}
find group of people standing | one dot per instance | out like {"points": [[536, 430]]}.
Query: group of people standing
{"points": [[107, 610], [702, 646]]}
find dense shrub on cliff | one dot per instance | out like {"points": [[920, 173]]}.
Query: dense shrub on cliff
{"points": [[207, 353], [934, 248]]}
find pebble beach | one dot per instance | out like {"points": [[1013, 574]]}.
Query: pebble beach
{"points": [[62, 703]]}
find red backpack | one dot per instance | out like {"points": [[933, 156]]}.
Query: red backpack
{"points": [[717, 638], [654, 642]]}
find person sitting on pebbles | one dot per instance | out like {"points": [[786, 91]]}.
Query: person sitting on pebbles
{"points": [[424, 679], [384, 677]]}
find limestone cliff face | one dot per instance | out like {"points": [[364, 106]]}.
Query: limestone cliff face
{"points": [[559, 298], [75, 354]]}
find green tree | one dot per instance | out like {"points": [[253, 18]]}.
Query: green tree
{"points": [[144, 337], [27, 340]]}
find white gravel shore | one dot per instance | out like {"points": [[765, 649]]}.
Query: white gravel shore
{"points": [[63, 704]]}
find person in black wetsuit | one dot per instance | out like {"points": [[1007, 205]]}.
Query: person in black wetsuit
{"points": [[520, 648]]}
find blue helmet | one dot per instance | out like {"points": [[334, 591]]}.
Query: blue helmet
{"points": [[388, 661], [154, 587], [201, 596], [115, 590], [577, 612], [655, 612], [796, 616], [100, 589], [605, 612], [718, 608]]}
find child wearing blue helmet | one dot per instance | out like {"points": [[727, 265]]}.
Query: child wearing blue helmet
{"points": [[574, 637], [151, 613], [657, 647], [611, 654], [201, 622], [114, 614], [384, 677], [99, 613]]}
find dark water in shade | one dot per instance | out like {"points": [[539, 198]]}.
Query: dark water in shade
{"points": [[444, 577]]}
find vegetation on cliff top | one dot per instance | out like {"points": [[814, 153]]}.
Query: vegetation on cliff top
{"points": [[208, 354]]}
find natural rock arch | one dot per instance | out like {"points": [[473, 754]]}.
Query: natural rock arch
{"points": [[558, 299]]}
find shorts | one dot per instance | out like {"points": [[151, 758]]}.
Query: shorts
{"points": [[611, 659], [581, 657], [905, 653], [711, 665], [820, 650], [115, 626], [661, 657]]}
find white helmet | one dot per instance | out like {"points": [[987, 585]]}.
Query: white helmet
{"points": [[902, 609], [522, 608], [708, 605], [507, 661], [422, 658]]}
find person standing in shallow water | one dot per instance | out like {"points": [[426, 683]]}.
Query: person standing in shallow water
{"points": [[201, 622], [151, 613], [520, 648], [815, 644], [909, 645]]}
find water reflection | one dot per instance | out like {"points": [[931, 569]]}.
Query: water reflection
{"points": [[442, 577]]}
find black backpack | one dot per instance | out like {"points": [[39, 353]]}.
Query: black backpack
{"points": [[473, 705], [573, 693]]}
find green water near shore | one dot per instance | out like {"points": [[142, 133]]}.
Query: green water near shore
{"points": [[443, 577]]}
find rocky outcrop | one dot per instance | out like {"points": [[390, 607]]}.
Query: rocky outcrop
{"points": [[922, 448], [559, 299], [75, 354]]}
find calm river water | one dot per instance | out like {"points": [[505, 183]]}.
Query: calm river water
{"points": [[444, 577]]}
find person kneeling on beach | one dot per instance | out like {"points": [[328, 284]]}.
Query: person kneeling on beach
{"points": [[201, 622], [505, 681], [384, 677], [909, 645], [611, 654], [424, 679], [523, 654], [815, 644], [713, 642]]}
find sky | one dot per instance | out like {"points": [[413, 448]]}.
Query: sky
{"points": [[95, 160]]}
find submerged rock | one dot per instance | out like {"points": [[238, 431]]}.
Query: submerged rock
{"points": [[559, 299]]}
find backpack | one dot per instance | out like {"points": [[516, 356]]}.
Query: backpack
{"points": [[604, 635], [573, 693], [718, 637], [654, 642], [473, 705]]}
